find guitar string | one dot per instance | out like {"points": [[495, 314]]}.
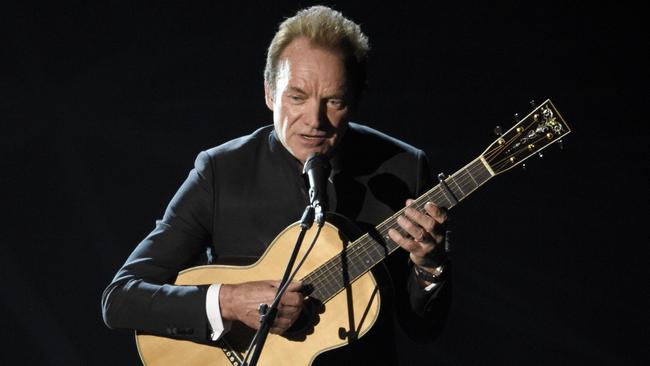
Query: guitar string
{"points": [[504, 161], [363, 246], [364, 249], [459, 179], [528, 121], [322, 276], [328, 283], [351, 251], [392, 225], [491, 156], [355, 251]]}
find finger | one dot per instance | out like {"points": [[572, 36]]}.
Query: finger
{"points": [[409, 202], [407, 244], [288, 312], [277, 330], [437, 213], [415, 231], [282, 322], [420, 218], [293, 286], [294, 299]]}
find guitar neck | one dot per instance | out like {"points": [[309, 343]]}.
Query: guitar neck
{"points": [[372, 248]]}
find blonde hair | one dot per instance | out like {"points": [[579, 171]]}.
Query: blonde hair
{"points": [[327, 28]]}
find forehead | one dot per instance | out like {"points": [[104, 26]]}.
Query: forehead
{"points": [[302, 60]]}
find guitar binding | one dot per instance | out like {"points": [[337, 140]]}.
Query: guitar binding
{"points": [[235, 358]]}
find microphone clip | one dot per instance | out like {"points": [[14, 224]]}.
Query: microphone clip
{"points": [[317, 168]]}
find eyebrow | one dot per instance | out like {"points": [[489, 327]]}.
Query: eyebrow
{"points": [[295, 89]]}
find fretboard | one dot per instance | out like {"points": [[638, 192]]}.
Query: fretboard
{"points": [[367, 251]]}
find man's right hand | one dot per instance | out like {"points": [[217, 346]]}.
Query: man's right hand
{"points": [[241, 302]]}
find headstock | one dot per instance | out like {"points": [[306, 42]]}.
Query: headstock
{"points": [[540, 128]]}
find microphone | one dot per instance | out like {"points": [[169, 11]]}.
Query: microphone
{"points": [[317, 167]]}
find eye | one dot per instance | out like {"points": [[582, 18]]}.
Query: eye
{"points": [[296, 99], [336, 103]]}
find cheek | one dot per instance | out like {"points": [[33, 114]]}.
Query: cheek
{"points": [[280, 116], [289, 116], [337, 118]]}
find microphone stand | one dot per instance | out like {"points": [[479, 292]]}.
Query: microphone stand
{"points": [[268, 313], [317, 167]]}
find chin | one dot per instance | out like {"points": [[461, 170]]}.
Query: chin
{"points": [[303, 154]]}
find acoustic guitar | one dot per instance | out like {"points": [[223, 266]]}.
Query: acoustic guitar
{"points": [[337, 274]]}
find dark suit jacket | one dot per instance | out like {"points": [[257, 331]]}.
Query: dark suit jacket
{"points": [[237, 198]]}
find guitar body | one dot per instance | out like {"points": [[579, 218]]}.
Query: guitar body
{"points": [[343, 318]]}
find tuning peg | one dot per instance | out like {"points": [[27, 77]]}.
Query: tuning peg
{"points": [[498, 131], [516, 117], [560, 144], [523, 167], [541, 156], [532, 103]]}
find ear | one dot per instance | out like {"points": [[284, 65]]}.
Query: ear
{"points": [[268, 96]]}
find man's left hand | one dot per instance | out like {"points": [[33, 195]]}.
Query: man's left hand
{"points": [[425, 232]]}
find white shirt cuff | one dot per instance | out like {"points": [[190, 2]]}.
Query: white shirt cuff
{"points": [[217, 324]]}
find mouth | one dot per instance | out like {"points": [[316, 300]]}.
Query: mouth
{"points": [[313, 139]]}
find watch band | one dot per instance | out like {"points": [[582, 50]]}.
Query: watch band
{"points": [[427, 276]]}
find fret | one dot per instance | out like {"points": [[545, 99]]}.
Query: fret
{"points": [[469, 174], [437, 196], [455, 188], [449, 200], [466, 181]]}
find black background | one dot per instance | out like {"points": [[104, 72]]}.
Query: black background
{"points": [[106, 104]]}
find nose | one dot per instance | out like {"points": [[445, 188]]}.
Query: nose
{"points": [[316, 116]]}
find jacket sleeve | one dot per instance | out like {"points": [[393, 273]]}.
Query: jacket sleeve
{"points": [[142, 295]]}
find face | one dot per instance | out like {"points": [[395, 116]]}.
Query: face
{"points": [[310, 102]]}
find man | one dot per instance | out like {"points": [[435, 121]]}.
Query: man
{"points": [[241, 194]]}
